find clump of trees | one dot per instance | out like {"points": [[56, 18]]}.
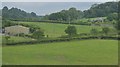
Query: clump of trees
{"points": [[105, 30], [112, 17], [17, 14], [71, 30], [66, 15], [38, 34], [6, 23], [94, 31], [6, 40], [101, 10], [108, 9]]}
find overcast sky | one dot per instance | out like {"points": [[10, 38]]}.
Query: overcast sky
{"points": [[43, 8], [57, 0]]}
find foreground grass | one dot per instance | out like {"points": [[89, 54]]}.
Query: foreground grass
{"points": [[0, 55], [74, 52], [0, 50], [56, 30]]}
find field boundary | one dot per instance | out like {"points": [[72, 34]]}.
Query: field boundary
{"points": [[61, 40], [55, 22]]}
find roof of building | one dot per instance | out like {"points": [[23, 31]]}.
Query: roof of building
{"points": [[17, 26]]}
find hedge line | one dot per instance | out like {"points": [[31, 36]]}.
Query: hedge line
{"points": [[61, 40], [56, 22]]}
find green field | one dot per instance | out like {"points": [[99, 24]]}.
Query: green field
{"points": [[74, 52], [0, 55], [16, 39], [0, 50], [56, 30]]}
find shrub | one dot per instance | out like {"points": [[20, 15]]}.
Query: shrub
{"points": [[71, 30], [94, 31], [38, 34], [105, 30]]}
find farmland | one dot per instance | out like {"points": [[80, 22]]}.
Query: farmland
{"points": [[69, 36], [0, 53], [56, 30], [15, 39], [74, 52]]}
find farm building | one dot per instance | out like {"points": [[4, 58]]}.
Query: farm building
{"points": [[100, 19], [16, 30]]}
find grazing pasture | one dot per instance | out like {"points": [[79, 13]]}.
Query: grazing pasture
{"points": [[16, 39], [84, 52], [56, 30], [0, 54]]}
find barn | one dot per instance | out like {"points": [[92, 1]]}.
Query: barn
{"points": [[16, 30]]}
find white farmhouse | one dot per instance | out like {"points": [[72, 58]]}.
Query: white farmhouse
{"points": [[16, 30], [99, 19]]}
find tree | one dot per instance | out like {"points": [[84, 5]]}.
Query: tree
{"points": [[7, 38], [33, 14], [101, 10], [38, 34], [63, 15], [117, 25], [113, 16], [17, 14], [5, 12], [94, 31], [105, 30], [6, 23], [71, 30]]}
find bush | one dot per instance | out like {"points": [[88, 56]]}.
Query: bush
{"points": [[71, 30], [94, 31], [105, 30], [38, 34]]}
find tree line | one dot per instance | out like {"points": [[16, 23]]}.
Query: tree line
{"points": [[66, 15], [101, 10], [96, 10], [16, 14]]}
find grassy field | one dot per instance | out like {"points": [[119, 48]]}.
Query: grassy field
{"points": [[16, 39], [56, 30], [0, 55], [0, 51], [74, 52]]}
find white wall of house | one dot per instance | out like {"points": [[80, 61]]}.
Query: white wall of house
{"points": [[14, 30]]}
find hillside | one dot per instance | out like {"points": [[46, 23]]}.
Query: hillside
{"points": [[96, 10], [0, 12], [101, 10], [57, 30]]}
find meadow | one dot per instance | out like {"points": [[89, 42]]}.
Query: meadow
{"points": [[15, 39], [84, 52], [57, 30], [0, 53]]}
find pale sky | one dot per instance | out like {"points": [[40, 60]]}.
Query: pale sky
{"points": [[57, 0]]}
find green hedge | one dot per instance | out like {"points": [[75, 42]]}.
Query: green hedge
{"points": [[49, 40]]}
